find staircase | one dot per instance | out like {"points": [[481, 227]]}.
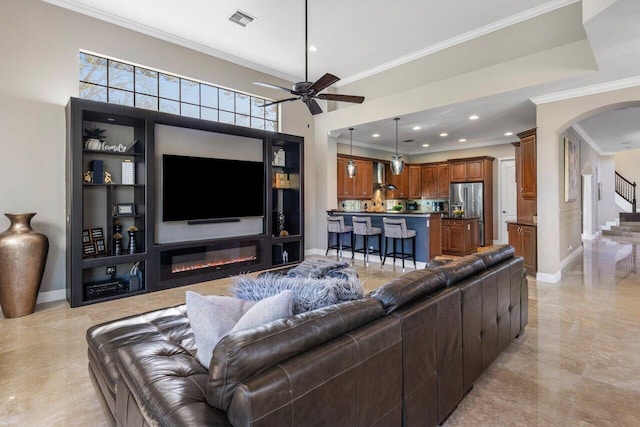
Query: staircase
{"points": [[627, 231], [627, 191]]}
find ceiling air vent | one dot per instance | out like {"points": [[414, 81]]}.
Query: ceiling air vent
{"points": [[409, 140], [241, 18]]}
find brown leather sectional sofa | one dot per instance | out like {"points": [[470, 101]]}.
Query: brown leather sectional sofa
{"points": [[404, 355]]}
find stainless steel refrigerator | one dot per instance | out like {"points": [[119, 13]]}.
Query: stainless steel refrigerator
{"points": [[469, 197]]}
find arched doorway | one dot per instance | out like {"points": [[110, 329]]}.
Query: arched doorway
{"points": [[556, 228]]}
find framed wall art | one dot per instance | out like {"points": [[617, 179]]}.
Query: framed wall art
{"points": [[125, 209], [571, 160]]}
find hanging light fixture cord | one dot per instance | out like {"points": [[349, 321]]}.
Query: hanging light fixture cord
{"points": [[396, 119], [351, 143]]}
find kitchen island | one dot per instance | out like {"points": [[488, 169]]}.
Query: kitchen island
{"points": [[426, 225]]}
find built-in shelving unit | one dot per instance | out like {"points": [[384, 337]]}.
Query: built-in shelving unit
{"points": [[97, 209]]}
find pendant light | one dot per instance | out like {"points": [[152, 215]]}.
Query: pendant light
{"points": [[397, 164], [351, 164]]}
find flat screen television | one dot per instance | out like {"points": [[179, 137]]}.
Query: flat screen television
{"points": [[201, 188]]}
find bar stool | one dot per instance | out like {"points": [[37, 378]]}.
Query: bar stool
{"points": [[362, 227], [336, 227], [396, 229]]}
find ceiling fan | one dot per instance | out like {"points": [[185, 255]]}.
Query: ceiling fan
{"points": [[307, 91]]}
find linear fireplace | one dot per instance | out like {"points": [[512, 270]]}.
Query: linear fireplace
{"points": [[196, 260]]}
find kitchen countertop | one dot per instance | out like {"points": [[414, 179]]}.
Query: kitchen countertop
{"points": [[529, 223], [397, 213], [464, 218], [416, 220]]}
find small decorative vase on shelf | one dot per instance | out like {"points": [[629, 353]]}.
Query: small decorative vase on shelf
{"points": [[23, 255], [132, 248], [117, 247]]}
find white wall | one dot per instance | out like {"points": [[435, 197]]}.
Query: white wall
{"points": [[626, 163], [39, 45]]}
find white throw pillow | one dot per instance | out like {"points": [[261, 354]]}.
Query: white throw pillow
{"points": [[211, 318], [267, 310]]}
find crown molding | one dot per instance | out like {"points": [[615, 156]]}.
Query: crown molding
{"points": [[153, 32], [462, 38], [582, 133], [587, 90]]}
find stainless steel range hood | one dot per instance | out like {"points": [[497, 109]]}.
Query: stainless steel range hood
{"points": [[379, 180]]}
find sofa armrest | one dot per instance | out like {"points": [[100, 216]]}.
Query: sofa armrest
{"points": [[163, 384]]}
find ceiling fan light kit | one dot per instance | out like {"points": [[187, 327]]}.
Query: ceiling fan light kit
{"points": [[351, 164], [397, 164], [307, 91]]}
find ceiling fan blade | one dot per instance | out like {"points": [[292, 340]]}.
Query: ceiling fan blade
{"points": [[313, 107], [269, 85], [323, 82], [278, 102], [343, 98]]}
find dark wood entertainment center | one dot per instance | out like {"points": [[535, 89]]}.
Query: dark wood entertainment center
{"points": [[95, 208]]}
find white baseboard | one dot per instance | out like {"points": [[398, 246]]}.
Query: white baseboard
{"points": [[589, 237], [48, 296], [549, 278], [555, 277], [571, 257]]}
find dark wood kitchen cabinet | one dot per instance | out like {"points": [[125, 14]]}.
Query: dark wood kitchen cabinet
{"points": [[528, 176], [523, 237], [346, 185], [459, 236], [400, 181], [415, 181], [435, 180], [358, 187], [429, 180], [471, 169], [364, 180]]}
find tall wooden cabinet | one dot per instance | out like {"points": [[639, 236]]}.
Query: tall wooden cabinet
{"points": [[523, 231], [528, 185]]}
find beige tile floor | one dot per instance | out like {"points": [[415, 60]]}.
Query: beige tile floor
{"points": [[577, 364]]}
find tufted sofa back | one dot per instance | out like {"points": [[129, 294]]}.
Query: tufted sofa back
{"points": [[243, 354]]}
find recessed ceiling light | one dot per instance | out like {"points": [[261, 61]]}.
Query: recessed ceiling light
{"points": [[462, 140], [417, 128], [313, 48], [473, 117], [376, 135], [508, 133], [425, 145], [444, 134]]}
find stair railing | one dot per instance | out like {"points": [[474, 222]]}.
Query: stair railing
{"points": [[627, 190]]}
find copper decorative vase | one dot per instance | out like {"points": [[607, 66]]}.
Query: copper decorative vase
{"points": [[23, 255]]}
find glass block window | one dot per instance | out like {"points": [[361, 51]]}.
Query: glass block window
{"points": [[108, 80]]}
